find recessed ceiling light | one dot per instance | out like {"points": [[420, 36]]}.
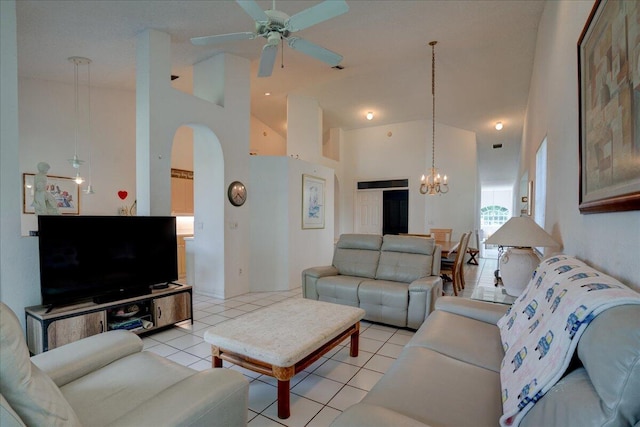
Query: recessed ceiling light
{"points": [[369, 115], [267, 94], [499, 126]]}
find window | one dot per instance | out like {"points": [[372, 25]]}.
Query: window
{"points": [[541, 184], [494, 215], [540, 198]]}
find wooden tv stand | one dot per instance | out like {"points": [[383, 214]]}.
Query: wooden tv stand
{"points": [[160, 308]]}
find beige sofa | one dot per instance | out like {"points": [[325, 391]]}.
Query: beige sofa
{"points": [[449, 374], [107, 380], [395, 279]]}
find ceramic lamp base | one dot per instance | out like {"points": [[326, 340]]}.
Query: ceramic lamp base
{"points": [[516, 268]]}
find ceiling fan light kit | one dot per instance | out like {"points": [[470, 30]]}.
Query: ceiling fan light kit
{"points": [[275, 26]]}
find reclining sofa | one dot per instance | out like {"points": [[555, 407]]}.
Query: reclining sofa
{"points": [[107, 380], [449, 373], [395, 279]]}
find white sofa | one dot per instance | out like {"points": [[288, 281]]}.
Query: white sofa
{"points": [[395, 279], [107, 380], [449, 374]]}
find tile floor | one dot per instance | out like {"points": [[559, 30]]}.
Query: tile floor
{"points": [[324, 389]]}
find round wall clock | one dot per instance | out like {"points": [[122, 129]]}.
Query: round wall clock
{"points": [[237, 193]]}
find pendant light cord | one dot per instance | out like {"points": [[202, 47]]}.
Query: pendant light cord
{"points": [[433, 107], [75, 84], [89, 118]]}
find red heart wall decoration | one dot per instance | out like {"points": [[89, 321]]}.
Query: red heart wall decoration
{"points": [[122, 194]]}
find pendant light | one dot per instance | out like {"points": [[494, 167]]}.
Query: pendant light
{"points": [[75, 160], [433, 184], [89, 189]]}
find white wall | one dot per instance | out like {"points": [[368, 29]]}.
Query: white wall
{"points": [[47, 126], [371, 154], [219, 115], [304, 128], [182, 149], [280, 248], [19, 278], [610, 241], [264, 141]]}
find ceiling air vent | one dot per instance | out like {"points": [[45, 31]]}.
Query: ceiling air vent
{"points": [[497, 146]]}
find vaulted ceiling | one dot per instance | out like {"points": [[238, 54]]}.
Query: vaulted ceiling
{"points": [[484, 59]]}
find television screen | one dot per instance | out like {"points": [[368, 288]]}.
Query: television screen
{"points": [[104, 257]]}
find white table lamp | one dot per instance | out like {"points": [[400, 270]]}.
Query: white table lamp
{"points": [[517, 264]]}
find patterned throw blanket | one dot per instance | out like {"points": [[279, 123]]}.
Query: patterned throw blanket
{"points": [[541, 330]]}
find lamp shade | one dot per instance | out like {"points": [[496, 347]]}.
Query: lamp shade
{"points": [[521, 232]]}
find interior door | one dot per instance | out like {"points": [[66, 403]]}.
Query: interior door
{"points": [[369, 212]]}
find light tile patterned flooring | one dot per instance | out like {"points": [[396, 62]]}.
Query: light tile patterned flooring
{"points": [[326, 388]]}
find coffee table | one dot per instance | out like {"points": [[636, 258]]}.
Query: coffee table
{"points": [[283, 339]]}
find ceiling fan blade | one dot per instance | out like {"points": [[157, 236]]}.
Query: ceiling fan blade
{"points": [[267, 59], [312, 49], [201, 41], [253, 10], [316, 14]]}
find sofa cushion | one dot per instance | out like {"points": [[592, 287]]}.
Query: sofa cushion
{"points": [[461, 338], [104, 395], [409, 244], [31, 393], [8, 417], [405, 259], [438, 390], [384, 301], [614, 373], [572, 402], [339, 289], [357, 255]]}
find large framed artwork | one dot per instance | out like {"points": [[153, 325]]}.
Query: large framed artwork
{"points": [[609, 93], [64, 190], [312, 202]]}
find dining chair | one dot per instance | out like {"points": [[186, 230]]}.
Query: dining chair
{"points": [[453, 267], [463, 251], [474, 251], [441, 234]]}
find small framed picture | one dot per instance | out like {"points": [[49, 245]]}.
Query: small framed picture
{"points": [[64, 190], [312, 202]]}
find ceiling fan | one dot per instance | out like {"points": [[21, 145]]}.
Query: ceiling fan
{"points": [[276, 26]]}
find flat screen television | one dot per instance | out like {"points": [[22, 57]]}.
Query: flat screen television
{"points": [[104, 258]]}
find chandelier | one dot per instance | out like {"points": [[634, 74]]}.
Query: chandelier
{"points": [[433, 183]]}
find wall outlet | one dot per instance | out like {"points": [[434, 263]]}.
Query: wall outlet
{"points": [[239, 272]]}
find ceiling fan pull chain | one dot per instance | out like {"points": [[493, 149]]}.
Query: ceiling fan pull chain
{"points": [[282, 48]]}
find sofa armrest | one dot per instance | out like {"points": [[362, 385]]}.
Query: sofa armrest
{"points": [[318, 272], [77, 359], [487, 312], [437, 261], [423, 294], [214, 397], [362, 414], [310, 277]]}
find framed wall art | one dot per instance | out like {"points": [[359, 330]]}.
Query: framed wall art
{"points": [[64, 190], [609, 96], [312, 202]]}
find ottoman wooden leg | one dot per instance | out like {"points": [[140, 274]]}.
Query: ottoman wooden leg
{"points": [[284, 375], [216, 362], [284, 404], [355, 341]]}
